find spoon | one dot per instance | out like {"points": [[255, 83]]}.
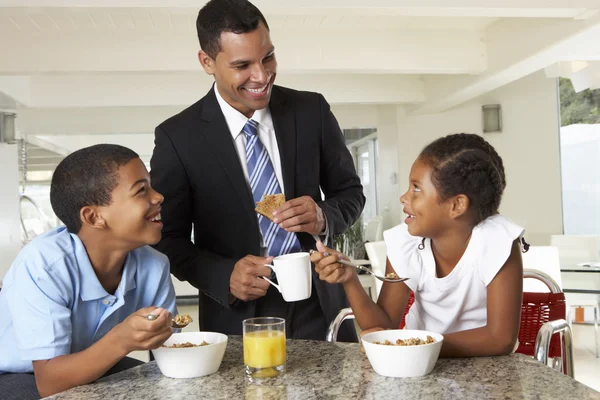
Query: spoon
{"points": [[175, 325], [367, 270]]}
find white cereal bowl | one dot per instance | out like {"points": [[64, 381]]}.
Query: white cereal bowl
{"points": [[191, 362], [402, 361]]}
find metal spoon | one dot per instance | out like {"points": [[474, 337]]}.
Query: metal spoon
{"points": [[152, 317], [367, 270]]}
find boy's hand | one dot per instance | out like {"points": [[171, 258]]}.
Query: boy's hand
{"points": [[328, 268], [363, 333], [138, 333]]}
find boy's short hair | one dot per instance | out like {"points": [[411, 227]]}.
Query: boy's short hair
{"points": [[218, 16], [86, 177]]}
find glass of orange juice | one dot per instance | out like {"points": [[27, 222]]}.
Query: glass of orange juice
{"points": [[264, 347]]}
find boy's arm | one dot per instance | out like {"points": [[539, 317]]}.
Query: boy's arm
{"points": [[135, 333], [504, 300]]}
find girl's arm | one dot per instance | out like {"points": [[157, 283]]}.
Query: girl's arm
{"points": [[504, 300], [388, 311]]}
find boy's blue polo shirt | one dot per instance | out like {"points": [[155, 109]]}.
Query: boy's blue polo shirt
{"points": [[52, 303]]}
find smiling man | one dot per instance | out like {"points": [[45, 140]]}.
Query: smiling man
{"points": [[215, 160]]}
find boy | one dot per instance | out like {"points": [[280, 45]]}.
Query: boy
{"points": [[75, 300]]}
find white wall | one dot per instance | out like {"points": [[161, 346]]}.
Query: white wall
{"points": [[355, 116], [10, 232], [528, 145]]}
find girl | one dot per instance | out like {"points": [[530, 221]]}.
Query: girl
{"points": [[462, 258]]}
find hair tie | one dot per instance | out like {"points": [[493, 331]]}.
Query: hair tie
{"points": [[525, 245]]}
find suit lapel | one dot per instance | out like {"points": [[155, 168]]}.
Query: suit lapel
{"points": [[221, 142], [284, 122]]}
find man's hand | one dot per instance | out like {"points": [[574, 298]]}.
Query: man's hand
{"points": [[300, 215], [245, 283], [138, 333]]}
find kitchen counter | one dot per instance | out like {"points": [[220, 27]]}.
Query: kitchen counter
{"points": [[321, 370]]}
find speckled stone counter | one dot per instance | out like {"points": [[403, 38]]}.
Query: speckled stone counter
{"points": [[320, 370]]}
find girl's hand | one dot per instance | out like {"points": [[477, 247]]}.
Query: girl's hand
{"points": [[363, 333], [328, 267]]}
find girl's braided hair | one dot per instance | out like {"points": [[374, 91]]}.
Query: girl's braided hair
{"points": [[466, 164]]}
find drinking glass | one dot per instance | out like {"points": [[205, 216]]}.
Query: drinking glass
{"points": [[264, 347]]}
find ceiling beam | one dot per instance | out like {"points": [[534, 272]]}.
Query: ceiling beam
{"points": [[48, 145], [515, 48], [143, 144], [316, 50], [181, 88], [91, 121], [139, 120]]}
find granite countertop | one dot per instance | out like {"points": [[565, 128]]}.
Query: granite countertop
{"points": [[321, 370]]}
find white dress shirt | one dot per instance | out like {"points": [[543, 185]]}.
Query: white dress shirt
{"points": [[266, 133]]}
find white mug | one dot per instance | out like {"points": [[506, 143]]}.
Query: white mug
{"points": [[294, 276]]}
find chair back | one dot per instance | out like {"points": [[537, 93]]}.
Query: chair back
{"points": [[537, 309], [374, 229], [544, 259], [377, 253], [411, 300], [573, 249]]}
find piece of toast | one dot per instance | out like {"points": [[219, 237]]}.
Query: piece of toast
{"points": [[268, 204]]}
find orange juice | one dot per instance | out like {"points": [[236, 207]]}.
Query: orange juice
{"points": [[264, 349]]}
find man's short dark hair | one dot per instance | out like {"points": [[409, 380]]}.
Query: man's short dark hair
{"points": [[86, 177], [218, 16]]}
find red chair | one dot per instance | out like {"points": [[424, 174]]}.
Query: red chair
{"points": [[537, 309], [411, 300], [544, 331], [542, 317]]}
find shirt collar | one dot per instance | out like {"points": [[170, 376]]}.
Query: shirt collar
{"points": [[91, 288], [236, 120]]}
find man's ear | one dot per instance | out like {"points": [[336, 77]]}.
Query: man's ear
{"points": [[207, 63], [89, 216], [459, 205]]}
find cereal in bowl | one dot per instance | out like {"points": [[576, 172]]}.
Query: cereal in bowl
{"points": [[408, 342], [186, 344]]}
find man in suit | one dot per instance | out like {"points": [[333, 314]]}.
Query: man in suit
{"points": [[216, 159]]}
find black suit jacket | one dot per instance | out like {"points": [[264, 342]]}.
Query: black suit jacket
{"points": [[196, 167]]}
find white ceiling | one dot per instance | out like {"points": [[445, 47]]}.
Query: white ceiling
{"points": [[74, 68]]}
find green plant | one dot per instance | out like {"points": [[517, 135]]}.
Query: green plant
{"points": [[351, 242]]}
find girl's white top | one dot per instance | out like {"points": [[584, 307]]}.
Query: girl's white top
{"points": [[458, 301]]}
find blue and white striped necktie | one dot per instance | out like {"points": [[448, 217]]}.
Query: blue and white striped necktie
{"points": [[262, 182]]}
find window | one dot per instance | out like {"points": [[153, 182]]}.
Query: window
{"points": [[580, 153], [366, 167], [37, 216], [363, 146]]}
